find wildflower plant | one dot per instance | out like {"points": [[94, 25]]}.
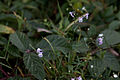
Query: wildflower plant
{"points": [[77, 40]]}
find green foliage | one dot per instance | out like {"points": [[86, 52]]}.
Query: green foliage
{"points": [[114, 25], [111, 62], [54, 43], [98, 66], [14, 52], [18, 78], [34, 64], [20, 41], [80, 47], [68, 48]]}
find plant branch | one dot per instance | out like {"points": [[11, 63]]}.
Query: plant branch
{"points": [[3, 71], [109, 49], [113, 52]]}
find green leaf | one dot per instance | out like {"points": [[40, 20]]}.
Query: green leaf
{"points": [[20, 41], [99, 65], [57, 42], [80, 47], [18, 78], [14, 51], [7, 16], [6, 29], [118, 15], [77, 5], [97, 68], [109, 11], [114, 25], [111, 38], [92, 30], [34, 64], [98, 5], [66, 22], [111, 62]]}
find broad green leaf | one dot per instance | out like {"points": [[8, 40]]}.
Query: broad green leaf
{"points": [[118, 15], [99, 65], [6, 29], [111, 38], [114, 25], [58, 43], [18, 78], [80, 47], [12, 50], [108, 11], [96, 67], [20, 41], [111, 62], [34, 64]]}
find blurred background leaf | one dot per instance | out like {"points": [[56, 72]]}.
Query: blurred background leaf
{"points": [[5, 29]]}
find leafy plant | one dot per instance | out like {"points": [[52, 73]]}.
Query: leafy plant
{"points": [[59, 40]]}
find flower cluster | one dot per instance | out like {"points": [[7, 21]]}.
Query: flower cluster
{"points": [[80, 19], [40, 52], [100, 39], [77, 78]]}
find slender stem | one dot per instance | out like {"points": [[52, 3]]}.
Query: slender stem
{"points": [[71, 24], [3, 71], [20, 71], [5, 65], [32, 47], [113, 52], [50, 44]]}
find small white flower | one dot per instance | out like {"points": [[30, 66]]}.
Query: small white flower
{"points": [[39, 50], [79, 78], [72, 78], [83, 8], [69, 71], [91, 66], [87, 14], [40, 55], [50, 67], [100, 35], [72, 13], [80, 19], [115, 75]]}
